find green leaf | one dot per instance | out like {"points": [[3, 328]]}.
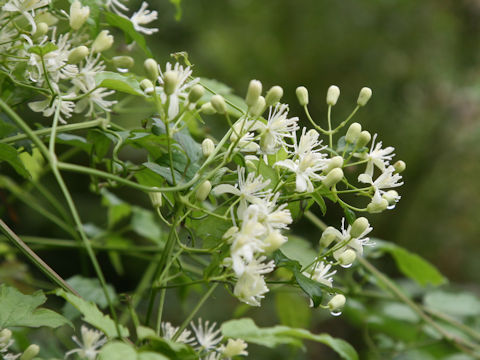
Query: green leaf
{"points": [[164, 171], [145, 223], [9, 154], [273, 336], [178, 8], [118, 82], [320, 202], [349, 215], [42, 50], [292, 309], [74, 141], [89, 289], [100, 142], [92, 315], [268, 172], [457, 304], [117, 209], [412, 265], [299, 249], [34, 163], [117, 350], [129, 31], [6, 129], [17, 309]]}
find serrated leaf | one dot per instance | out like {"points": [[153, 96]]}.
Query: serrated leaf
{"points": [[17, 309], [278, 335], [9, 154], [93, 316], [118, 82], [412, 265], [129, 31]]}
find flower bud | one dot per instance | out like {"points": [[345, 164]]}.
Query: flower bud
{"points": [[203, 190], [333, 177], [46, 17], [251, 162], [218, 103], [328, 236], [353, 133], [363, 139], [42, 29], [333, 163], [391, 196], [302, 95], [147, 86], [170, 82], [207, 147], [156, 199], [273, 241], [399, 166], [273, 95], [253, 92], [77, 54], [234, 348], [377, 206], [347, 257], [123, 62], [207, 109], [337, 302], [151, 68], [364, 96], [259, 107], [196, 93], [5, 336], [103, 42], [332, 95], [358, 227], [78, 15], [30, 352]]}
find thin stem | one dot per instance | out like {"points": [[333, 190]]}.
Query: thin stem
{"points": [[35, 259], [309, 117], [195, 310], [329, 119], [345, 122]]}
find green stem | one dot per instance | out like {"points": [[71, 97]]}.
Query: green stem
{"points": [[329, 119], [195, 310], [35, 259], [309, 117], [345, 122]]}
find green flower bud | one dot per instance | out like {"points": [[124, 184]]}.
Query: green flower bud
{"points": [[363, 139], [207, 147], [353, 133], [335, 162], [218, 103], [103, 42], [196, 93], [337, 302], [328, 236], [42, 29], [77, 54], [302, 95], [273, 241], [234, 348], [78, 15], [347, 257], [333, 177], [364, 96], [332, 95], [5, 336], [377, 207], [30, 353], [391, 196], [207, 109], [399, 166], [151, 68], [259, 107], [253, 92], [170, 82], [273, 95], [123, 62], [203, 190], [358, 227], [46, 17], [147, 86], [156, 199]]}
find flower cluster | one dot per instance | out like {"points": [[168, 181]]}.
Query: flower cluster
{"points": [[6, 341]]}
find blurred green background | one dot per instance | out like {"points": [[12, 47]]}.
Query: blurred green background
{"points": [[421, 58]]}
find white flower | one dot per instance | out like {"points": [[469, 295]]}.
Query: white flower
{"points": [[85, 78], [377, 156], [251, 287], [116, 6], [388, 179], [144, 16], [95, 97], [168, 331], [90, 345], [356, 244], [207, 336], [250, 189], [180, 91], [234, 348], [278, 128], [320, 273], [26, 7], [48, 108]]}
